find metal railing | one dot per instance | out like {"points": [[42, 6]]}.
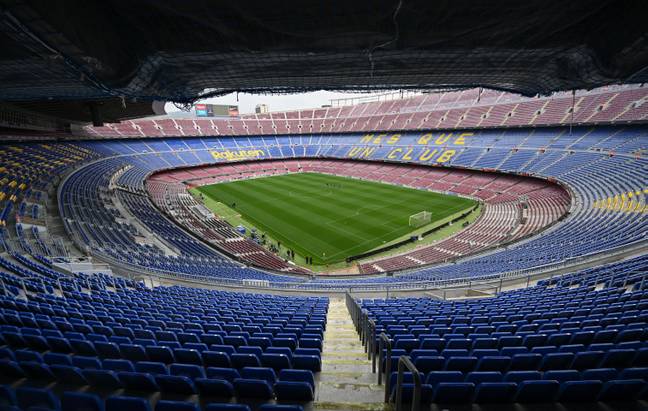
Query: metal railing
{"points": [[370, 347], [406, 285], [384, 343], [403, 363], [355, 311]]}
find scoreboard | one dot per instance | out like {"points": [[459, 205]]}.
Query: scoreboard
{"points": [[215, 110]]}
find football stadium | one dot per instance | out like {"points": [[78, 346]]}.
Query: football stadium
{"points": [[465, 229]]}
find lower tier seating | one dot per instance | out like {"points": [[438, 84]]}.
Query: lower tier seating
{"points": [[172, 344], [581, 337]]}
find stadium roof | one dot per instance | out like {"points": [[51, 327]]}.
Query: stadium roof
{"points": [[168, 50]]}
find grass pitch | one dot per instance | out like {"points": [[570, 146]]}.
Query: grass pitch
{"points": [[330, 218]]}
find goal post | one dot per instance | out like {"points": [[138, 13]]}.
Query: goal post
{"points": [[420, 219]]}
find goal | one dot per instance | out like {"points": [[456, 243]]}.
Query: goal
{"points": [[420, 219]]}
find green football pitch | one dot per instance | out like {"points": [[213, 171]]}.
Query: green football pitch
{"points": [[330, 218]]}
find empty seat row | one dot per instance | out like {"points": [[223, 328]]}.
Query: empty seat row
{"points": [[529, 391], [602, 374], [104, 346], [42, 399], [219, 356], [493, 361], [440, 338], [257, 382]]}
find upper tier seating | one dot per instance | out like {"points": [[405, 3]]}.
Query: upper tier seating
{"points": [[449, 110]]}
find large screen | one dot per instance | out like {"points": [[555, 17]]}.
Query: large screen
{"points": [[216, 110]]}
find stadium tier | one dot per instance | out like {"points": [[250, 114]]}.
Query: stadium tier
{"points": [[73, 341], [172, 340], [472, 108], [602, 168], [576, 338], [584, 192], [498, 223]]}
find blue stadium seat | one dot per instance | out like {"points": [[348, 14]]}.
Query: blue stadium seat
{"points": [[493, 363], [138, 381], [537, 391], [81, 402], [601, 374], [561, 375], [36, 397], [151, 367], [279, 362], [299, 376], [463, 364], [280, 407], [7, 396], [251, 388], [247, 349], [37, 371], [477, 377], [317, 343], [226, 407], [69, 375], [495, 392], [293, 391], [286, 351], [117, 365], [228, 349], [59, 345], [216, 359], [175, 384], [187, 356], [618, 358], [527, 361], [579, 391], [435, 377], [245, 360], [587, 359], [127, 404], [160, 354], [556, 361], [214, 387], [259, 373], [454, 392], [102, 378], [85, 363], [107, 349], [408, 388], [166, 405], [133, 352], [519, 376], [11, 370], [52, 358], [187, 370], [622, 390], [229, 374], [430, 363], [634, 373]]}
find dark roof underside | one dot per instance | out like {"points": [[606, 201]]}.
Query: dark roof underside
{"points": [[174, 50]]}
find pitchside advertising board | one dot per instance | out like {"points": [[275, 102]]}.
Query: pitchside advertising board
{"points": [[216, 110]]}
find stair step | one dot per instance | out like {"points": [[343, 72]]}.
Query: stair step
{"points": [[346, 375], [351, 406]]}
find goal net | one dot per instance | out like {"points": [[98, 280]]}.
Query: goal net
{"points": [[420, 219]]}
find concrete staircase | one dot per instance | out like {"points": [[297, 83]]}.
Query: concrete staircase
{"points": [[346, 381]]}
